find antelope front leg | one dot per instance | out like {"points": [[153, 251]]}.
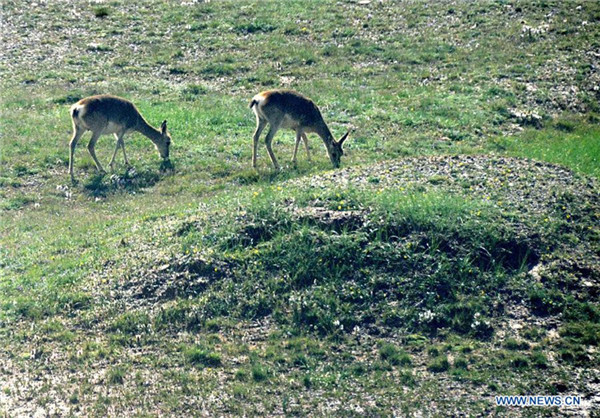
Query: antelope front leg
{"points": [[124, 155], [305, 140], [298, 139], [120, 144], [119, 139], [91, 149]]}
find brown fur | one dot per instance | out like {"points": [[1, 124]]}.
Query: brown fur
{"points": [[292, 110], [106, 114]]}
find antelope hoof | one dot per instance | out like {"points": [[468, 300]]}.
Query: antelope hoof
{"points": [[166, 165]]}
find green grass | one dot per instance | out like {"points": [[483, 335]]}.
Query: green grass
{"points": [[571, 142], [394, 356], [202, 357], [236, 291], [116, 376], [439, 365]]}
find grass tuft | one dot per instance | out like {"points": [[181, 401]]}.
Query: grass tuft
{"points": [[199, 356]]}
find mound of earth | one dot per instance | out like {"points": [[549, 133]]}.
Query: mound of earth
{"points": [[530, 195]]}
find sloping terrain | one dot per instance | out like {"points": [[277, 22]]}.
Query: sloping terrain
{"points": [[369, 289]]}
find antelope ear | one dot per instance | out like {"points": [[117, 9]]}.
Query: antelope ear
{"points": [[342, 139], [163, 127]]}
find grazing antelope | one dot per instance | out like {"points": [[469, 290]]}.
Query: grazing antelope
{"points": [[106, 114], [289, 109]]}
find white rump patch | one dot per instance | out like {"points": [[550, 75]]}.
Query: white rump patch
{"points": [[77, 107], [259, 98]]}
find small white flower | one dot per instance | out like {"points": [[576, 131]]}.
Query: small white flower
{"points": [[426, 316]]}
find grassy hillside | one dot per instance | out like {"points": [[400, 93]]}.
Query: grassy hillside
{"points": [[455, 255]]}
